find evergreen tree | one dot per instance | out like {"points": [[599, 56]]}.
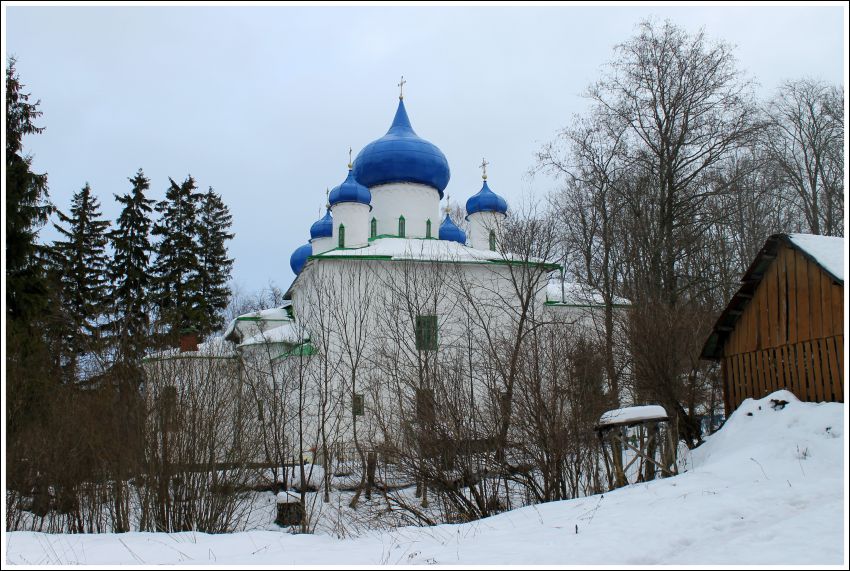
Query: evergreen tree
{"points": [[80, 262], [213, 231], [27, 207], [177, 267], [129, 271]]}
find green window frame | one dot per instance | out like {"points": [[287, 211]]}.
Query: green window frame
{"points": [[426, 332], [401, 226], [493, 240], [357, 404], [428, 228], [342, 235], [373, 228]]}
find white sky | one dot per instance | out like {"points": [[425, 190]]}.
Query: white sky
{"points": [[262, 103]]}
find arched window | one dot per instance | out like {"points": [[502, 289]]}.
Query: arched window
{"points": [[401, 226], [373, 230], [493, 240], [428, 228], [342, 235]]}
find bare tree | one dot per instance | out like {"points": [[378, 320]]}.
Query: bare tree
{"points": [[806, 141]]}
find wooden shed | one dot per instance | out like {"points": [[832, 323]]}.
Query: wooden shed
{"points": [[784, 328]]}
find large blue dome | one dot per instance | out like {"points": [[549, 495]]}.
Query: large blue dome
{"points": [[486, 201], [299, 258], [350, 191], [323, 227], [450, 231], [402, 156]]}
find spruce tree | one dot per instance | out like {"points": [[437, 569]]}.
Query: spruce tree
{"points": [[129, 272], [177, 267], [27, 207], [213, 231], [80, 262]]}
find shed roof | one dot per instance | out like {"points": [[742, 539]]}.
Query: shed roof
{"points": [[827, 252]]}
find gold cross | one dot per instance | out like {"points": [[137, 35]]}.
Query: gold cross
{"points": [[448, 205], [349, 158], [483, 166], [401, 88], [327, 197]]}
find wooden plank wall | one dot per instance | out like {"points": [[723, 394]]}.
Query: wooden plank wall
{"points": [[790, 335]]}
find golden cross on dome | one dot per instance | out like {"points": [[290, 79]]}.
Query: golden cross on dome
{"points": [[401, 88], [327, 197], [349, 158], [483, 166], [448, 205]]}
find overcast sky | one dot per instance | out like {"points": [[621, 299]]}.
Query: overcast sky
{"points": [[262, 103]]}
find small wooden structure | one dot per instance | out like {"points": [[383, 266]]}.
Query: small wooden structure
{"points": [[784, 328], [651, 442], [290, 510]]}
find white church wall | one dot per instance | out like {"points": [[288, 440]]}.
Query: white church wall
{"points": [[355, 217], [321, 245], [418, 203], [480, 225], [375, 304]]}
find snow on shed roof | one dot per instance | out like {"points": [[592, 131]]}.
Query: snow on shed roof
{"points": [[632, 414], [827, 251]]}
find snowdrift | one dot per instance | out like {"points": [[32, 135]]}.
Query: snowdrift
{"points": [[768, 488]]}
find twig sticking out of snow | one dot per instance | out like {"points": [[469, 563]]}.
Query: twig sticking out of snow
{"points": [[762, 468]]}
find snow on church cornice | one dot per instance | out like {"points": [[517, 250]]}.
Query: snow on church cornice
{"points": [[425, 250]]}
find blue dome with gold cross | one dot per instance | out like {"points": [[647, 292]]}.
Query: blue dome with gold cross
{"points": [[485, 200], [402, 156]]}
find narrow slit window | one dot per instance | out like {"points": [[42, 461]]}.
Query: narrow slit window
{"points": [[428, 229], [401, 226], [373, 230], [493, 240], [426, 332], [357, 404], [342, 236]]}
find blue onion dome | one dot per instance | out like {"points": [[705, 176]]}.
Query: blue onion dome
{"points": [[486, 201], [299, 258], [350, 191], [450, 231], [323, 227], [402, 156]]}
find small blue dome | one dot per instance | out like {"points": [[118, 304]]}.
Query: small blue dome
{"points": [[486, 201], [299, 258], [402, 156], [450, 231], [323, 227], [350, 191]]}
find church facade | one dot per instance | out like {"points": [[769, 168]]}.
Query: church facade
{"points": [[397, 319]]}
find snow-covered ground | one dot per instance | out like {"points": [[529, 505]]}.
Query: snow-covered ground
{"points": [[767, 489]]}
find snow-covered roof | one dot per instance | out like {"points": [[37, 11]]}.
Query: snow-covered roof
{"points": [[570, 293], [827, 251], [274, 314], [420, 249], [287, 333], [632, 414]]}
